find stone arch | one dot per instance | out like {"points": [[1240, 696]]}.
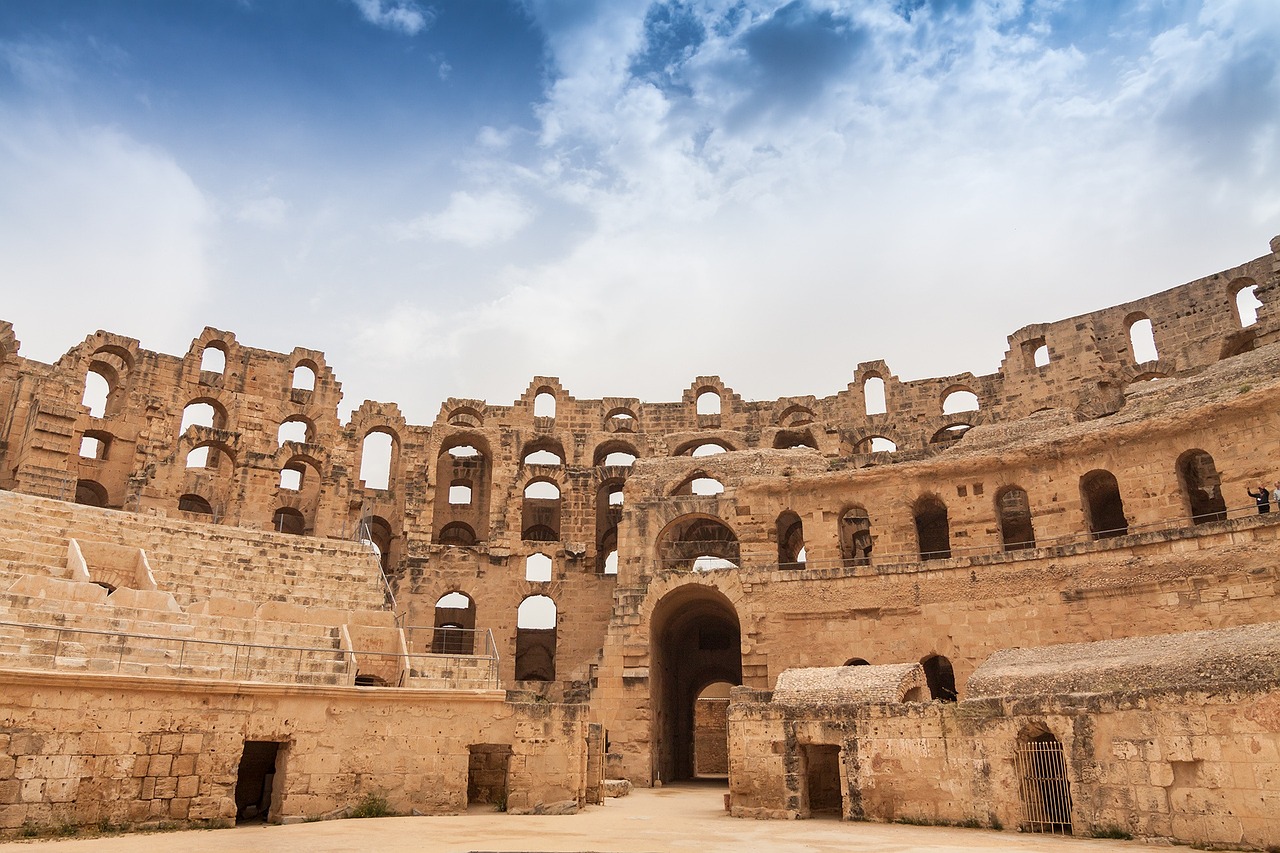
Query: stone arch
{"points": [[1013, 511], [543, 448], [453, 624], [621, 419], [1043, 784], [790, 535], [606, 449], [940, 677], [91, 493], [464, 458], [695, 639], [1103, 507], [933, 528], [692, 537], [535, 655], [856, 541], [1201, 486]]}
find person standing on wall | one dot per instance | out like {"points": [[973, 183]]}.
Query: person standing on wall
{"points": [[1263, 497]]}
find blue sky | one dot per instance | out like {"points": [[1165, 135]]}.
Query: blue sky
{"points": [[448, 198]]}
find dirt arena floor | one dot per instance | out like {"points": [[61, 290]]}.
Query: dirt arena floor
{"points": [[677, 817]]}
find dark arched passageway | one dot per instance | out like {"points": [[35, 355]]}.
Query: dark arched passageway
{"points": [[694, 641]]}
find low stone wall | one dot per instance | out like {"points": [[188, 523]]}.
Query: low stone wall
{"points": [[80, 749], [1191, 766]]}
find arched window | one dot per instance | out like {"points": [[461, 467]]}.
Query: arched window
{"points": [[1142, 339], [296, 429], [708, 449], [708, 403], [932, 528], [1103, 508], [960, 400], [194, 504], [213, 360], [96, 391], [535, 658], [855, 537], [537, 568], [877, 444], [289, 520], [291, 477], [544, 405], [463, 460], [304, 378], [541, 512], [621, 420], [455, 622], [1247, 304], [940, 677], [457, 533], [543, 457], [90, 493], [873, 395], [790, 533], [1202, 486], [857, 662], [1014, 508], [611, 562], [375, 460]]}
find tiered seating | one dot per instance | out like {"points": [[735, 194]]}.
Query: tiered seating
{"points": [[228, 603], [76, 634], [194, 561]]}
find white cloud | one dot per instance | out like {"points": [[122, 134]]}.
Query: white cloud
{"points": [[400, 15], [265, 212], [117, 230], [473, 220]]}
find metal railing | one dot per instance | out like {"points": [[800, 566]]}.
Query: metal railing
{"points": [[1206, 522], [429, 646], [179, 656], [364, 535]]}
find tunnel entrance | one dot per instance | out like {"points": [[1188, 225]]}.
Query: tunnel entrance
{"points": [[695, 641]]}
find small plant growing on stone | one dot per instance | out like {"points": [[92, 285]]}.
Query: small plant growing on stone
{"points": [[996, 823], [373, 804], [30, 829], [1111, 831]]}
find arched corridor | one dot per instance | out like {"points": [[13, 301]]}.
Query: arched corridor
{"points": [[694, 641]]}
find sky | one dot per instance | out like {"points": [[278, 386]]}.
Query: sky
{"points": [[449, 198]]}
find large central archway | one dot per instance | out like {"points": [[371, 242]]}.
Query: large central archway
{"points": [[694, 640]]}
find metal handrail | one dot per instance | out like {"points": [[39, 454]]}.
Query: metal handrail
{"points": [[884, 560]]}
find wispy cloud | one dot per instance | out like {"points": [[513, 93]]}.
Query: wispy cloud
{"points": [[473, 219], [403, 16]]}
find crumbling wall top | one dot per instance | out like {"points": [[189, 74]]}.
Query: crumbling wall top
{"points": [[1198, 660], [848, 685]]}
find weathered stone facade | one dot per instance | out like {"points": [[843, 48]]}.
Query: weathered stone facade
{"points": [[1077, 494]]}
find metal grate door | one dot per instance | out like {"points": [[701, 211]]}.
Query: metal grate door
{"points": [[1043, 786]]}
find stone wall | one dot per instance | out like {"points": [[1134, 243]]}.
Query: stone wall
{"points": [[78, 749], [1196, 767]]}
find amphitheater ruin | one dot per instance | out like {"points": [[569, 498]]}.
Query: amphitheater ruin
{"points": [[1041, 599]]}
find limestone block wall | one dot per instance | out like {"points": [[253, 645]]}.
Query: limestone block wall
{"points": [[80, 749], [1195, 767]]}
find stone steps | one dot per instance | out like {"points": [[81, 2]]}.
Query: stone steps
{"points": [[194, 561]]}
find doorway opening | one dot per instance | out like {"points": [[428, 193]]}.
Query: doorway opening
{"points": [[695, 642], [487, 765], [821, 796], [711, 731], [256, 782]]}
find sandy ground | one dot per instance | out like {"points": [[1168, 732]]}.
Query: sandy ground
{"points": [[678, 817]]}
